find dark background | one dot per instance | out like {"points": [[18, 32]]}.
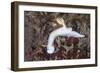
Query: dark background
{"points": [[38, 26]]}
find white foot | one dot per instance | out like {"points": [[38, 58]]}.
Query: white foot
{"points": [[50, 50]]}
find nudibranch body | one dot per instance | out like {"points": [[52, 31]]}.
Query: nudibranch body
{"points": [[62, 31]]}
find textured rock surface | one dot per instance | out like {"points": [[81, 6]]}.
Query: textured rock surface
{"points": [[38, 26]]}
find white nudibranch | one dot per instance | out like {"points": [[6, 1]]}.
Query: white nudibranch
{"points": [[63, 31]]}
